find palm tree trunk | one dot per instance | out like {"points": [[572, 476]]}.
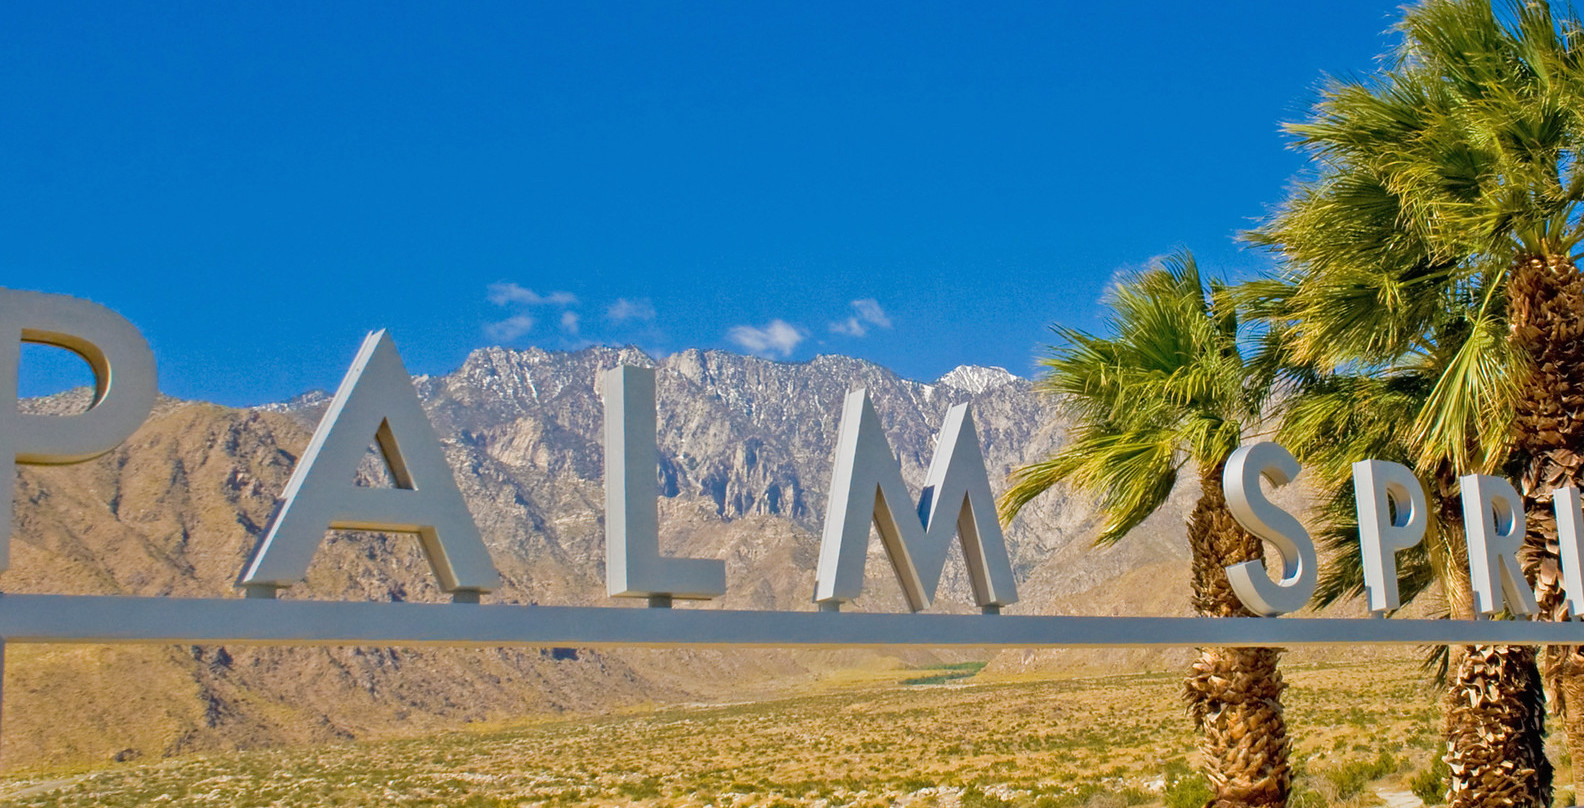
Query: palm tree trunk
{"points": [[1495, 727], [1233, 694], [1449, 547], [1547, 300], [1495, 705], [1570, 690]]}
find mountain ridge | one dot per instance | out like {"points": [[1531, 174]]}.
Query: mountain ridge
{"points": [[745, 449]]}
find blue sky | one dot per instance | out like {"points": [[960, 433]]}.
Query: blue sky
{"points": [[920, 184]]}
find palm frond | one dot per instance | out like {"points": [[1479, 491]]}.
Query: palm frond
{"points": [[1168, 385], [1131, 472], [1467, 417]]}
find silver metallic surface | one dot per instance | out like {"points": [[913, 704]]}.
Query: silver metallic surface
{"points": [[867, 487], [1493, 518], [1379, 488], [957, 498], [1570, 547], [634, 567], [376, 401], [96, 619], [125, 387], [1257, 515]]}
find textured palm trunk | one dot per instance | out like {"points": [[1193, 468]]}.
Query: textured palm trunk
{"points": [[1448, 547], [1570, 690], [1233, 694], [1546, 295], [1495, 704], [1495, 728]]}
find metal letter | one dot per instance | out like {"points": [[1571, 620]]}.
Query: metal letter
{"points": [[1378, 486], [1493, 517], [1570, 546], [867, 486], [375, 401], [1258, 516], [125, 387], [634, 567]]}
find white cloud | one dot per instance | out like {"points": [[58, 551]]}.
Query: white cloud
{"points": [[502, 294], [850, 326], [777, 338], [866, 313], [510, 328], [624, 309], [869, 309], [516, 300]]}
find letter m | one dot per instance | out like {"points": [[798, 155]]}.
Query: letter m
{"points": [[867, 486]]}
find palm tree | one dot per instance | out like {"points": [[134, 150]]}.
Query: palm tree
{"points": [[1169, 389], [1475, 133], [1494, 699], [1452, 176]]}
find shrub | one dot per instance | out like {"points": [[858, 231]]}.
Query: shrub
{"points": [[1303, 796], [1430, 785], [972, 797], [1350, 778], [646, 788], [1184, 787], [948, 673]]}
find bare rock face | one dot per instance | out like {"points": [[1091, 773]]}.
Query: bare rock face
{"points": [[745, 461], [742, 437]]}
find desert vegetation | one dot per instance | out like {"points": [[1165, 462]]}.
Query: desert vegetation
{"points": [[1359, 729]]}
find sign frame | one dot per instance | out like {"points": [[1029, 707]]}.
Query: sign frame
{"points": [[867, 489]]}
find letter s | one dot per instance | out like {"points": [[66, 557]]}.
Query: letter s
{"points": [[1258, 516]]}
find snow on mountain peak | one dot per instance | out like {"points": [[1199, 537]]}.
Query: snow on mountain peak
{"points": [[975, 379]]}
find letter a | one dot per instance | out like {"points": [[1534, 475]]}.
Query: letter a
{"points": [[867, 486], [375, 401], [124, 387]]}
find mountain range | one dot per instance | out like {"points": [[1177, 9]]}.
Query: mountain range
{"points": [[745, 461]]}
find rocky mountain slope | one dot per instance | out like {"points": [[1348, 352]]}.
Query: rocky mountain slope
{"points": [[745, 456]]}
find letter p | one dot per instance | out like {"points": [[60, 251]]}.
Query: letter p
{"points": [[124, 387]]}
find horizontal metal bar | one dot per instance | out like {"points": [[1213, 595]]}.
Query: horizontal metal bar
{"points": [[250, 621]]}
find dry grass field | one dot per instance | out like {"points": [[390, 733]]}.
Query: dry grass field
{"points": [[942, 737]]}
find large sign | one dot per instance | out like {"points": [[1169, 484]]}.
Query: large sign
{"points": [[376, 402]]}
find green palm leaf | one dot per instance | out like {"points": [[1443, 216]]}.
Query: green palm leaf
{"points": [[1168, 386]]}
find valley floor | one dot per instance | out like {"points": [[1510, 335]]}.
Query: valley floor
{"points": [[1361, 733]]}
